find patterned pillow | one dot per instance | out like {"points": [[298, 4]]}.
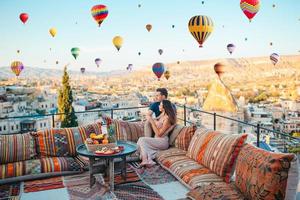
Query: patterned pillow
{"points": [[17, 147], [217, 151], [63, 142], [184, 137], [263, 175]]}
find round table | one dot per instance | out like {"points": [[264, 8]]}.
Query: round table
{"points": [[129, 148]]}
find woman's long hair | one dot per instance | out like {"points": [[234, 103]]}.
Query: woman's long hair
{"points": [[169, 110]]}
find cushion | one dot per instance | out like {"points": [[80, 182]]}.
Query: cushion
{"points": [[148, 129], [188, 171], [128, 131], [37, 166], [63, 142], [217, 151], [184, 137], [215, 191], [173, 135], [17, 147], [263, 175], [173, 151]]}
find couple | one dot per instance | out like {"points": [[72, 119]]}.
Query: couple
{"points": [[165, 113]]}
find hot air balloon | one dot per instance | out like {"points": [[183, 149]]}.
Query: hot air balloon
{"points": [[139, 53], [129, 67], [274, 57], [178, 62], [160, 51], [158, 69], [271, 43], [53, 31], [250, 8], [24, 17], [17, 67], [139, 5], [274, 5], [219, 69], [98, 61], [99, 12], [18, 51], [202, 2], [82, 69], [167, 74], [56, 62], [118, 41], [75, 52], [148, 27], [231, 48], [201, 27], [173, 26]]}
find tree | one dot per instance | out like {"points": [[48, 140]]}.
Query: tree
{"points": [[65, 100]]}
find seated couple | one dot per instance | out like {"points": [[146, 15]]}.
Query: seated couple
{"points": [[165, 120]]}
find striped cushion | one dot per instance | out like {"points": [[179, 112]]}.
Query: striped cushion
{"points": [[189, 171], [162, 155], [37, 166], [215, 191], [63, 142], [216, 151], [263, 175], [184, 137], [16, 147], [128, 131]]}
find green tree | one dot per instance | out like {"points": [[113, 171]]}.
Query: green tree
{"points": [[65, 100]]}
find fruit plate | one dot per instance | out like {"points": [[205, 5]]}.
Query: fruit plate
{"points": [[110, 151], [94, 147]]}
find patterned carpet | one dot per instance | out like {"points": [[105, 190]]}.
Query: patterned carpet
{"points": [[43, 184], [10, 192]]}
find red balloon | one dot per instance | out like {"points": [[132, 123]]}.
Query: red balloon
{"points": [[24, 17]]}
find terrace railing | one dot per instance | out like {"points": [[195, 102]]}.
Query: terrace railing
{"points": [[286, 138]]}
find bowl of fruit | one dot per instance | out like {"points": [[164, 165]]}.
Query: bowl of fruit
{"points": [[109, 150], [96, 142]]}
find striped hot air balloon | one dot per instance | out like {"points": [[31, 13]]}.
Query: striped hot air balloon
{"points": [[158, 69], [250, 8], [230, 48], [17, 67], [201, 27], [99, 13], [274, 57]]}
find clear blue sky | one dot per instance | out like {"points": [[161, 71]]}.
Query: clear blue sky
{"points": [[279, 25]]}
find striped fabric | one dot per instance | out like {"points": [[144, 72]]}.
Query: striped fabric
{"points": [[63, 142], [128, 131], [37, 166], [215, 191], [18, 147], [184, 137], [162, 155], [216, 151], [188, 171], [59, 164]]}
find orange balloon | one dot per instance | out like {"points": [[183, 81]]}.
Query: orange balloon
{"points": [[219, 69]]}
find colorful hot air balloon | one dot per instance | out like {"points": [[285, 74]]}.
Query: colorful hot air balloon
{"points": [[129, 67], [53, 31], [17, 67], [274, 57], [98, 61], [24, 17], [75, 52], [167, 74], [160, 51], [82, 69], [158, 69], [99, 12], [219, 69], [118, 41], [250, 8], [148, 27], [201, 27], [231, 48]]}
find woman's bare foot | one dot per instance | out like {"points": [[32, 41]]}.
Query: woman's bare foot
{"points": [[150, 164], [143, 164]]}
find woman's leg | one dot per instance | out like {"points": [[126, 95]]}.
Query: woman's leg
{"points": [[143, 152]]}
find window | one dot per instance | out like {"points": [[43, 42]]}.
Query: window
{"points": [[42, 106], [41, 125], [17, 126], [46, 106], [44, 124], [12, 127], [4, 128], [0, 128]]}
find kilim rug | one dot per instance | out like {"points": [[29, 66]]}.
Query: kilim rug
{"points": [[154, 175], [136, 191], [10, 192], [131, 176], [43, 184], [78, 187]]}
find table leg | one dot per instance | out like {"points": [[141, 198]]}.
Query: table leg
{"points": [[124, 171], [111, 173], [92, 177]]}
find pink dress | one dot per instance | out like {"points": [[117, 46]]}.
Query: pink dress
{"points": [[150, 145]]}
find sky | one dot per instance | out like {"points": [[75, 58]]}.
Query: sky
{"points": [[77, 28]]}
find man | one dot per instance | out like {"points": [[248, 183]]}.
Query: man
{"points": [[161, 94]]}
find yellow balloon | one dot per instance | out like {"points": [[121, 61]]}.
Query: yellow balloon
{"points": [[118, 41], [53, 31]]}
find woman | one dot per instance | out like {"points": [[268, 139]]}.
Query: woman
{"points": [[148, 146]]}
